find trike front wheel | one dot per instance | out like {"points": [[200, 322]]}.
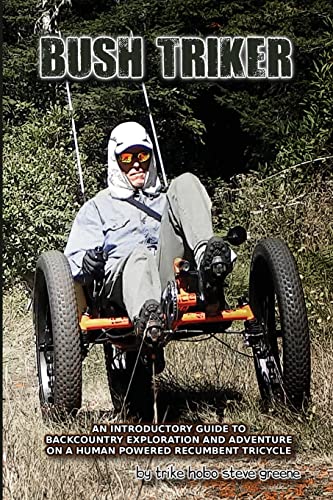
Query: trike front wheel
{"points": [[282, 355], [58, 343]]}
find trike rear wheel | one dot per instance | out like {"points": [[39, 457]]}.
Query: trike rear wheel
{"points": [[130, 382]]}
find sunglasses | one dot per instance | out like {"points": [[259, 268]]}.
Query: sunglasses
{"points": [[128, 158]]}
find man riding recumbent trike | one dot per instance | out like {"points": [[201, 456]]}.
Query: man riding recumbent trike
{"points": [[142, 268]]}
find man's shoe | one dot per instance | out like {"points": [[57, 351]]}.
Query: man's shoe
{"points": [[215, 266], [151, 321]]}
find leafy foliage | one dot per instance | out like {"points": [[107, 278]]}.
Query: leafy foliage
{"points": [[214, 129], [38, 205]]}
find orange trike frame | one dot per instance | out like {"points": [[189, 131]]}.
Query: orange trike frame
{"points": [[185, 301]]}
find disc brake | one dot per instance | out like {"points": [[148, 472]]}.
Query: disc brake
{"points": [[269, 370]]}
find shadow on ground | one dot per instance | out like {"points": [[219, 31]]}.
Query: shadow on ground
{"points": [[177, 402]]}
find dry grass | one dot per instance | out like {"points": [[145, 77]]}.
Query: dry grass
{"points": [[203, 381]]}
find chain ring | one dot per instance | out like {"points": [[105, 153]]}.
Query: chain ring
{"points": [[170, 303]]}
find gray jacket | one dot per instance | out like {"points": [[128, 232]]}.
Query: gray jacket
{"points": [[107, 220], [115, 225]]}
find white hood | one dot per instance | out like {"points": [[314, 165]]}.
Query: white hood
{"points": [[125, 135]]}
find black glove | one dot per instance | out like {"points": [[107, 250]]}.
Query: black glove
{"points": [[93, 263]]}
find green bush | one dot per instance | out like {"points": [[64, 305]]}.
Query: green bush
{"points": [[274, 124], [295, 208], [41, 189]]}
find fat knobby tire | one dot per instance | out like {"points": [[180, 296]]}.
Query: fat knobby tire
{"points": [[274, 275], [54, 298]]}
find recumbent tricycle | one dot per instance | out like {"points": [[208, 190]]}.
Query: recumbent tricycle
{"points": [[69, 318]]}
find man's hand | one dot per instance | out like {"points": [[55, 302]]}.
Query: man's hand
{"points": [[93, 263]]}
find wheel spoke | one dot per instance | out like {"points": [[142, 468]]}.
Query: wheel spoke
{"points": [[46, 347]]}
